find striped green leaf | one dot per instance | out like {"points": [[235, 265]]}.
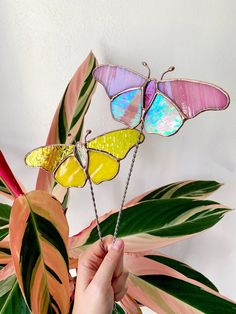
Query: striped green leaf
{"points": [[4, 190], [193, 296], [130, 305], [69, 119], [38, 242], [183, 269], [157, 223], [8, 182], [4, 220], [168, 286], [118, 310], [5, 253], [198, 189], [11, 299]]}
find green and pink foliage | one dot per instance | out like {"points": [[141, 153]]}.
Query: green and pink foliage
{"points": [[36, 253]]}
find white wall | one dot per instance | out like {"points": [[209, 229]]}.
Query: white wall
{"points": [[43, 42]]}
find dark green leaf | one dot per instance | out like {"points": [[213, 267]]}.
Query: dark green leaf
{"points": [[187, 189], [4, 189], [118, 310], [183, 269], [11, 299], [3, 233], [5, 211], [164, 218], [193, 295]]}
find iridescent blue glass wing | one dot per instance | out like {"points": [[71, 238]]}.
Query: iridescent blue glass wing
{"points": [[127, 107], [162, 117]]}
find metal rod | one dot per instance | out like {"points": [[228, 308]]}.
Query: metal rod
{"points": [[96, 212], [127, 184]]}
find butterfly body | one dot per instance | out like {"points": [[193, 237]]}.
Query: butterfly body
{"points": [[97, 159], [81, 154], [163, 105]]}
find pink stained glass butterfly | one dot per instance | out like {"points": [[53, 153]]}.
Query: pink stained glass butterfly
{"points": [[162, 105]]}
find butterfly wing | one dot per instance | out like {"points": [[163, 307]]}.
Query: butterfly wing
{"points": [[106, 150], [102, 166], [162, 117], [194, 97], [123, 86], [116, 79], [116, 143], [70, 173], [48, 157], [127, 107]]}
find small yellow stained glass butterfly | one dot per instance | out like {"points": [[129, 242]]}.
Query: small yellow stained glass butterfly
{"points": [[97, 158]]}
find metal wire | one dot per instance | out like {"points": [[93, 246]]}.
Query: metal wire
{"points": [[122, 202], [96, 212], [127, 184]]}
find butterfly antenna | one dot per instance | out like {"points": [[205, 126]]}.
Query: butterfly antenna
{"points": [[170, 69], [74, 139], [87, 134], [146, 66]]}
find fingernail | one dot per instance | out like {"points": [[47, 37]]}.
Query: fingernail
{"points": [[118, 245]]}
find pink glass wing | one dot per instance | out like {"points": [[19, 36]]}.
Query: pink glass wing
{"points": [[193, 97], [127, 107], [116, 79], [162, 117], [150, 92]]}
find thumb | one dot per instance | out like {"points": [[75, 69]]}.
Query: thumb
{"points": [[109, 264]]}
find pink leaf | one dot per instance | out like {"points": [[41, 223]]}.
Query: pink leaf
{"points": [[157, 300], [130, 305], [7, 271], [69, 117], [153, 297], [8, 178], [5, 254]]}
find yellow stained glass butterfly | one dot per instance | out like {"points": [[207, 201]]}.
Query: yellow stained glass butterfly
{"points": [[97, 158]]}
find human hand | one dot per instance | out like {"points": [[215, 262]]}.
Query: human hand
{"points": [[101, 278]]}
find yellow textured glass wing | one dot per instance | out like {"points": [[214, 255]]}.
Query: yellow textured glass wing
{"points": [[101, 167], [70, 173], [117, 143], [48, 157]]}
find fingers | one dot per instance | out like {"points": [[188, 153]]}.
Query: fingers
{"points": [[119, 286], [119, 268], [121, 294], [90, 261], [110, 263]]}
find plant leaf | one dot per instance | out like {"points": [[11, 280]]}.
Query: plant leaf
{"points": [[4, 220], [162, 265], [7, 271], [157, 223], [5, 253], [38, 242], [69, 118], [180, 296], [3, 233], [144, 285], [9, 182], [119, 309], [5, 191], [183, 269], [11, 299], [199, 189], [130, 305]]}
